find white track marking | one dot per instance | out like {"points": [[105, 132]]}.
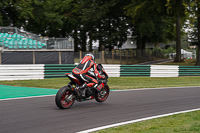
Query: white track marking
{"points": [[137, 120], [25, 97]]}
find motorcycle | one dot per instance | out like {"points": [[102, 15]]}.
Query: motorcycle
{"points": [[67, 95]]}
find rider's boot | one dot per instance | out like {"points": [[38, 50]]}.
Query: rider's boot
{"points": [[82, 89]]}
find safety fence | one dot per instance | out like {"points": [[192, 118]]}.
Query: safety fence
{"points": [[41, 71], [123, 56], [36, 57]]}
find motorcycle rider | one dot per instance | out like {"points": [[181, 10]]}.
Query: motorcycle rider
{"points": [[83, 71]]}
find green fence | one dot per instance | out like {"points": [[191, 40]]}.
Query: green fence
{"points": [[189, 70], [57, 71], [135, 70]]}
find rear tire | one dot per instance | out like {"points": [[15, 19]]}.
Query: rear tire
{"points": [[103, 94], [62, 96]]}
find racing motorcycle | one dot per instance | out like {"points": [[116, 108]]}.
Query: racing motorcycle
{"points": [[66, 95]]}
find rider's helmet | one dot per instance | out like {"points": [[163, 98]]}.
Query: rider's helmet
{"points": [[91, 56]]}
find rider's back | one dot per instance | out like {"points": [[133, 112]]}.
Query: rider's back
{"points": [[85, 65]]}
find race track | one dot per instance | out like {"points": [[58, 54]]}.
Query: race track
{"points": [[40, 115]]}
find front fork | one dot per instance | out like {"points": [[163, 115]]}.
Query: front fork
{"points": [[102, 92]]}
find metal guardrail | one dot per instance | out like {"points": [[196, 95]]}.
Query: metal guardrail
{"points": [[189, 70], [135, 70], [21, 72], [57, 71], [164, 71], [41, 71]]}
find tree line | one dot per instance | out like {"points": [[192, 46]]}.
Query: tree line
{"points": [[107, 21]]}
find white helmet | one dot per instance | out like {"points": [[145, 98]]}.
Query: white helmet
{"points": [[90, 55]]}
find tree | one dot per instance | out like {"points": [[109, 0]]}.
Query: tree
{"points": [[178, 9], [194, 8], [198, 18], [196, 32], [151, 23], [42, 17], [9, 15], [107, 21]]}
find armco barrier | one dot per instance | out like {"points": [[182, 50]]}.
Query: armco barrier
{"points": [[41, 71], [21, 72], [57, 71], [135, 70], [112, 70], [164, 71], [189, 70]]}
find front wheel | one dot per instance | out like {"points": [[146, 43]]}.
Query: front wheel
{"points": [[64, 98], [103, 94]]}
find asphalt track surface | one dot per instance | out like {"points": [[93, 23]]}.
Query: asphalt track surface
{"points": [[40, 115]]}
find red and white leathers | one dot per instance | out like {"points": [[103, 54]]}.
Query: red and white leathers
{"points": [[82, 71]]}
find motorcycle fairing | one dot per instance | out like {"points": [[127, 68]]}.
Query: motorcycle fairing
{"points": [[90, 84], [72, 78], [100, 86]]}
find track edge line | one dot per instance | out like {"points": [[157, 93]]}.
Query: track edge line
{"points": [[134, 121]]}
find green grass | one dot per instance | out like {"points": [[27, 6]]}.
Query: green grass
{"points": [[187, 62], [113, 82], [180, 123]]}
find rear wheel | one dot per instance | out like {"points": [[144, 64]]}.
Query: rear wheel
{"points": [[103, 94], [64, 98]]}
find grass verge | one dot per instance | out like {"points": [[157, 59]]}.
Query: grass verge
{"points": [[179, 123], [113, 82], [187, 62]]}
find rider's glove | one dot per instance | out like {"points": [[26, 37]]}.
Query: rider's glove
{"points": [[103, 76]]}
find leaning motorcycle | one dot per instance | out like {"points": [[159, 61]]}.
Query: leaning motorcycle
{"points": [[67, 95]]}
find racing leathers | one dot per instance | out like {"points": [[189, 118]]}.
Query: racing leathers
{"points": [[83, 71]]}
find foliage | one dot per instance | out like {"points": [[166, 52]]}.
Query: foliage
{"points": [[168, 50], [157, 52], [149, 20], [187, 62], [106, 22]]}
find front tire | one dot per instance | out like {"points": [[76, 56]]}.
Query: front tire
{"points": [[64, 98], [103, 94]]}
